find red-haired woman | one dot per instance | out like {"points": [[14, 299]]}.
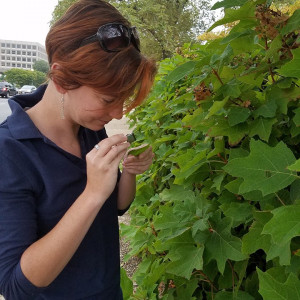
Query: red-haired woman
{"points": [[61, 190]]}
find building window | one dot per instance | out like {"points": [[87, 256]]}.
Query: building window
{"points": [[34, 47], [24, 66], [8, 51], [19, 65], [18, 46], [23, 52], [2, 44], [23, 58], [2, 51], [13, 65], [8, 64], [3, 64], [8, 45], [28, 59], [7, 57], [29, 53], [29, 66], [33, 53], [23, 46], [18, 58], [18, 52], [13, 58], [13, 45], [13, 51], [2, 57]]}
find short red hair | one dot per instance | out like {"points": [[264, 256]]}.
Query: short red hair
{"points": [[125, 75]]}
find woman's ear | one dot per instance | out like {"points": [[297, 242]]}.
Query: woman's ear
{"points": [[59, 89]]}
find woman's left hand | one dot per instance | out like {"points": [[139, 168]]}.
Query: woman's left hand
{"points": [[138, 164]]}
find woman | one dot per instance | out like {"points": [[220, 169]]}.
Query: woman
{"points": [[60, 188]]}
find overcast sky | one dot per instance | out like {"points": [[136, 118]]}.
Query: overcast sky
{"points": [[26, 20]]}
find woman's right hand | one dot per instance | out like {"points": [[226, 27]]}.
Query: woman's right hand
{"points": [[102, 165]]}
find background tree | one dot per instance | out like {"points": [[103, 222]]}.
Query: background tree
{"points": [[21, 77], [41, 66], [163, 25]]}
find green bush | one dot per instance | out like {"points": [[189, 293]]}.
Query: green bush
{"points": [[218, 215]]}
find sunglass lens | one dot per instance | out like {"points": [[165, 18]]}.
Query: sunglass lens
{"points": [[115, 37], [136, 38]]}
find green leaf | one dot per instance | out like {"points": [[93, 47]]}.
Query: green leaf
{"points": [[222, 128], [267, 110], [284, 225], [232, 15], [262, 128], [231, 89], [235, 35], [229, 3], [270, 288], [292, 68], [126, 285], [181, 71], [296, 118], [265, 169], [254, 239], [240, 295], [192, 258], [177, 193], [216, 107], [237, 115], [295, 166], [293, 23], [221, 245], [136, 151]]}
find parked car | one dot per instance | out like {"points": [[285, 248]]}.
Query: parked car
{"points": [[27, 89], [7, 89]]}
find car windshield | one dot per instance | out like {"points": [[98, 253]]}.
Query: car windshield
{"points": [[27, 86]]}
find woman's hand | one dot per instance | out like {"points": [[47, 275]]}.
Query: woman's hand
{"points": [[138, 164], [102, 165]]}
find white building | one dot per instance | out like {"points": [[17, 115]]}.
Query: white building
{"points": [[20, 54]]}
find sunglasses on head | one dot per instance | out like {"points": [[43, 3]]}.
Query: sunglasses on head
{"points": [[114, 37]]}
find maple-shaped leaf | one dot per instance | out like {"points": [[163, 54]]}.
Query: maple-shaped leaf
{"points": [[254, 240], [284, 225], [222, 245], [270, 288], [262, 127], [185, 259], [265, 169], [292, 68]]}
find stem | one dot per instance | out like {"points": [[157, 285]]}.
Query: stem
{"points": [[280, 200], [232, 273], [217, 75]]}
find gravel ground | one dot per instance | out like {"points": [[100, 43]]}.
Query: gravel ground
{"points": [[131, 265]]}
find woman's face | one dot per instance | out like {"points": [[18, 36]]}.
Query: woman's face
{"points": [[86, 107]]}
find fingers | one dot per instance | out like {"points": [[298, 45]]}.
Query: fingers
{"points": [[106, 144], [139, 164]]}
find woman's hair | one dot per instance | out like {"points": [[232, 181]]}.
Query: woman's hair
{"points": [[124, 75]]}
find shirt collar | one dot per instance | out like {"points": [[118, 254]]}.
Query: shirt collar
{"points": [[19, 123]]}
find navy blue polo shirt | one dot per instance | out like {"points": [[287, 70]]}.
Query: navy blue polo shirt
{"points": [[38, 183]]}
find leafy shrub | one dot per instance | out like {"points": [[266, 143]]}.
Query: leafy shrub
{"points": [[218, 215]]}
